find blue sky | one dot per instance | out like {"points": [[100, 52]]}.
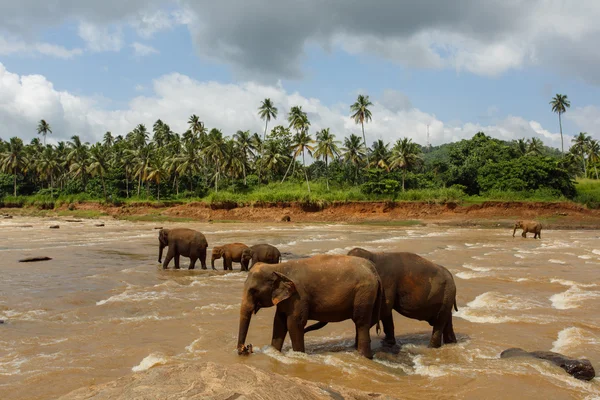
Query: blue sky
{"points": [[497, 77]]}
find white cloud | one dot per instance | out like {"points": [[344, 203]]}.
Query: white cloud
{"points": [[12, 45], [24, 100], [587, 119], [139, 88], [146, 24], [142, 50], [101, 38]]}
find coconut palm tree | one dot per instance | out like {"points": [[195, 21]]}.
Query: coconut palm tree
{"points": [[381, 155], [362, 114], [43, 129], [274, 158], [156, 171], [266, 112], [559, 104], [196, 126], [187, 162], [535, 147], [109, 140], [580, 143], [98, 164], [216, 151], [246, 146], [405, 155], [303, 142], [14, 160], [593, 154], [299, 121], [78, 160], [521, 146], [354, 153], [48, 166], [327, 147]]}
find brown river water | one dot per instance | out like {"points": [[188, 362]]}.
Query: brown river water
{"points": [[103, 308]]}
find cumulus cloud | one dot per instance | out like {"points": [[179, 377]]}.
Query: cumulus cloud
{"points": [[142, 50], [12, 45], [263, 39], [24, 100], [101, 38]]}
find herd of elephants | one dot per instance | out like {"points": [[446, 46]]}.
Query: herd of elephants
{"points": [[362, 286]]}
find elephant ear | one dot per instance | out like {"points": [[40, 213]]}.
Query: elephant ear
{"points": [[163, 236], [283, 288]]}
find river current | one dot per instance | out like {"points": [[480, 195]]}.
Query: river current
{"points": [[103, 308]]}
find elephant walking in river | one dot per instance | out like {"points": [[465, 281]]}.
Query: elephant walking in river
{"points": [[529, 227], [182, 242], [415, 288]]}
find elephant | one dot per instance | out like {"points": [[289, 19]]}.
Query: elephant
{"points": [[185, 242], [529, 227], [260, 253], [329, 288], [416, 288], [231, 252], [578, 368]]}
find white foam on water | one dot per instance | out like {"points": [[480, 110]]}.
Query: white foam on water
{"points": [[562, 379], [233, 276], [477, 258], [519, 255], [270, 351], [407, 370], [217, 307], [466, 275], [488, 308], [433, 371], [572, 338], [585, 257], [135, 297], [565, 282], [390, 240], [572, 298], [557, 244], [30, 315], [476, 268], [557, 261], [149, 362], [597, 252], [192, 348]]}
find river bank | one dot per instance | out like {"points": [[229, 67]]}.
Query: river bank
{"points": [[558, 215]]}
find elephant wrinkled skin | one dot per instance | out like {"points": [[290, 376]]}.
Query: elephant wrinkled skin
{"points": [[260, 253], [230, 253], [416, 288], [529, 227], [182, 242], [328, 288]]}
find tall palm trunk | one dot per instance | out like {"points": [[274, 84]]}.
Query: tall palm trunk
{"points": [[596, 169], [262, 148], [103, 185], [362, 124], [561, 135], [584, 168], [305, 174], [139, 184], [288, 169], [126, 183], [15, 181], [326, 172], [244, 170], [403, 177], [158, 189]]}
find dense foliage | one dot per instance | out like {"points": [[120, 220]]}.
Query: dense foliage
{"points": [[163, 164]]}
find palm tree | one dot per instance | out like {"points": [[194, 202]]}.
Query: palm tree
{"points": [[43, 129], [405, 155], [521, 145], [299, 121], [327, 147], [559, 104], [274, 158], [216, 150], [535, 147], [77, 158], [354, 152], [109, 141], [14, 160], [580, 143], [381, 155], [361, 115], [196, 126], [266, 112], [48, 165], [156, 171], [98, 164], [593, 153], [301, 142], [187, 161], [246, 145]]}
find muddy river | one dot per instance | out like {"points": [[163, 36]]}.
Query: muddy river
{"points": [[103, 308]]}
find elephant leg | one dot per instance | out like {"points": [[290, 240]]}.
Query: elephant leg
{"points": [[280, 330], [524, 234], [203, 258], [449, 336], [192, 262], [176, 261], [388, 329], [296, 334], [438, 328], [539, 235], [364, 339], [227, 263], [168, 259]]}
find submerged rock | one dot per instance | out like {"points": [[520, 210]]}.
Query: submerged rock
{"points": [[73, 220], [580, 369], [54, 226], [214, 381], [33, 259], [99, 225]]}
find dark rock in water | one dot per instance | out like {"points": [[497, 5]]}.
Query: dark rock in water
{"points": [[54, 226], [99, 225], [1, 321], [24, 226], [7, 216], [215, 381], [34, 259], [158, 227], [580, 369]]}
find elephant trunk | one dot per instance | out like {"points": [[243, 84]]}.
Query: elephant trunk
{"points": [[245, 317], [160, 251], [212, 262], [514, 231]]}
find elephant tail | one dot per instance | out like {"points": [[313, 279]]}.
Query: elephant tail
{"points": [[455, 307], [379, 301]]}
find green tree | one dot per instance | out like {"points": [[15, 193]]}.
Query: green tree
{"points": [[535, 147], [581, 143], [43, 129], [327, 147], [48, 166], [266, 112], [216, 151], [14, 160], [362, 114], [405, 155], [98, 164], [354, 153], [380, 155], [559, 104], [593, 154]]}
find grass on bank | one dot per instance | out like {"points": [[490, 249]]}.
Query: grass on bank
{"points": [[588, 193]]}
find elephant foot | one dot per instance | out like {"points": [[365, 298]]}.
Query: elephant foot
{"points": [[389, 342]]}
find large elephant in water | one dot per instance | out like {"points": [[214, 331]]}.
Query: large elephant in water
{"points": [[415, 288], [260, 253], [327, 288], [230, 253], [529, 227], [182, 242]]}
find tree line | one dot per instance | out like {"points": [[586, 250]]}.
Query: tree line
{"points": [[162, 163]]}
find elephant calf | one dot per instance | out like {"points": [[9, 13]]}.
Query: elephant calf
{"points": [[328, 288], [230, 253], [415, 288], [529, 227], [182, 242], [260, 253]]}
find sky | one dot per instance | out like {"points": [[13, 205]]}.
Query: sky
{"points": [[461, 66]]}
